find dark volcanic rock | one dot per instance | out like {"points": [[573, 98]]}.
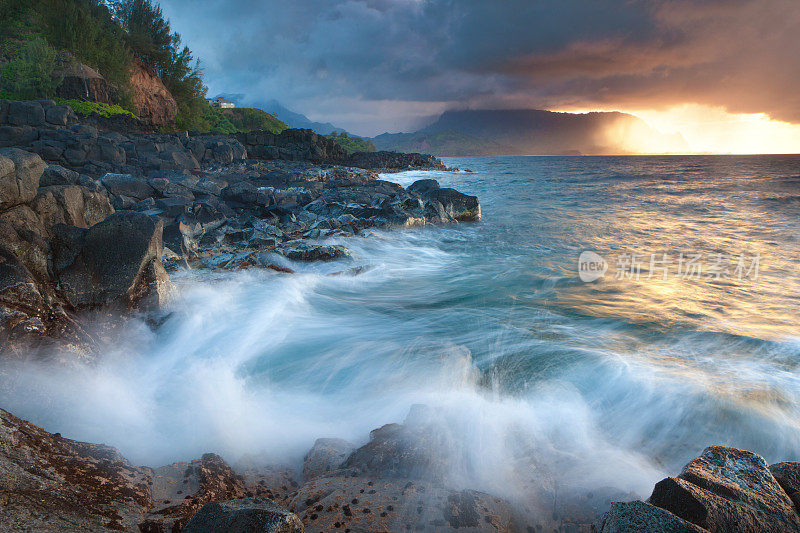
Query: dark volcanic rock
{"points": [[58, 175], [393, 161], [307, 252], [245, 192], [634, 517], [457, 205], [423, 186], [115, 262], [127, 185], [26, 114], [291, 145], [420, 448], [248, 515]]}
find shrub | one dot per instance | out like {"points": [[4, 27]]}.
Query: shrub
{"points": [[88, 108]]}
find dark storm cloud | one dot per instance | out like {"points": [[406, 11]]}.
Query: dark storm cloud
{"points": [[368, 62]]}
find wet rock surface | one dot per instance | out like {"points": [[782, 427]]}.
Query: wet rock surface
{"points": [[725, 490], [248, 515]]}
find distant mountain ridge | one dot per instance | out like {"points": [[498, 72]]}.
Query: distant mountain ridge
{"points": [[297, 120], [533, 132]]}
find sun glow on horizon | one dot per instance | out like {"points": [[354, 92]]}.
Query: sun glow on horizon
{"points": [[714, 130]]}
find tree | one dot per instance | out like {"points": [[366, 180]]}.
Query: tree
{"points": [[29, 74], [152, 41]]}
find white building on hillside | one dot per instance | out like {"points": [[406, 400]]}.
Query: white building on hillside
{"points": [[221, 103]]}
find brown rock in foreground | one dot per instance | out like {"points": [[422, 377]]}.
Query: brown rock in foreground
{"points": [[50, 483]]}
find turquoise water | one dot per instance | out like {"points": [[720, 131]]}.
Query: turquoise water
{"points": [[543, 381]]}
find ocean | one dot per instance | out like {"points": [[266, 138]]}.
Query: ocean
{"points": [[606, 320]]}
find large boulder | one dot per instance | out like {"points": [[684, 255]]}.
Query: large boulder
{"points": [[248, 515], [58, 175], [420, 448], [458, 206], [128, 185], [25, 114], [325, 456], [245, 193], [423, 186], [728, 490], [116, 262], [19, 176], [72, 205]]}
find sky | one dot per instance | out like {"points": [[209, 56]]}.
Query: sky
{"points": [[723, 73]]}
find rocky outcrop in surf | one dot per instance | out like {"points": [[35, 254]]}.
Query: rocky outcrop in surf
{"points": [[725, 490]]}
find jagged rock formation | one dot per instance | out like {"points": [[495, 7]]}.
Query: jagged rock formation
{"points": [[725, 490], [154, 103]]}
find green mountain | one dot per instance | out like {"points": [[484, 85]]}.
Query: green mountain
{"points": [[533, 132], [441, 143]]}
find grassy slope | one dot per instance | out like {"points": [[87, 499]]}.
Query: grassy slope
{"points": [[353, 144], [242, 119]]}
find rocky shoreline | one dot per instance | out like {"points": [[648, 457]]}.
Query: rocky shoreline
{"points": [[92, 216], [95, 214]]}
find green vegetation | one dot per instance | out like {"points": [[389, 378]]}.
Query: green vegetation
{"points": [[107, 35], [84, 28], [252, 119], [352, 144], [28, 74], [87, 108], [241, 119]]}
